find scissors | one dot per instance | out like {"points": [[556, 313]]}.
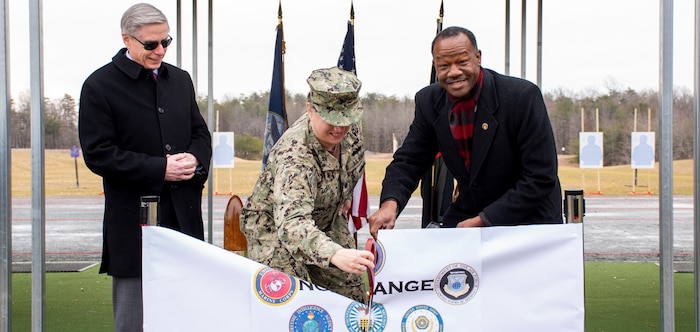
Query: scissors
{"points": [[371, 247]]}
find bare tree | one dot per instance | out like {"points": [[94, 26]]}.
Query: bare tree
{"points": [[389, 117]]}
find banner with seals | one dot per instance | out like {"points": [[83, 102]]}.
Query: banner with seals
{"points": [[512, 278]]}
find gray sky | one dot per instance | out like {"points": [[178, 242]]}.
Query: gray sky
{"points": [[588, 45]]}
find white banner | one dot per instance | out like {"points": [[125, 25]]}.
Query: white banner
{"points": [[518, 278]]}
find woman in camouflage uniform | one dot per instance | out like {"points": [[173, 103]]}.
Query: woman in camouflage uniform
{"points": [[295, 219]]}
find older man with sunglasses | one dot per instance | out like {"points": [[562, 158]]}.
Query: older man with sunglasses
{"points": [[142, 132]]}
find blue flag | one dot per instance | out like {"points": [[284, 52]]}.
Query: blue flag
{"points": [[277, 113], [346, 61]]}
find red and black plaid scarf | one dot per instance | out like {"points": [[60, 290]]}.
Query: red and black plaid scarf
{"points": [[461, 118]]}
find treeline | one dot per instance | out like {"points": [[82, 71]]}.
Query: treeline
{"points": [[613, 114], [384, 117], [60, 122], [388, 117]]}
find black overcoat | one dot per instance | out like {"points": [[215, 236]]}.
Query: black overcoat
{"points": [[513, 178], [127, 124]]}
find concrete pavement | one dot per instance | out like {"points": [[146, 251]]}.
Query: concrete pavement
{"points": [[615, 228]]}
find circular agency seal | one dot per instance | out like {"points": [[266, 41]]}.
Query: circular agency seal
{"points": [[457, 283], [379, 264], [421, 318], [274, 287], [357, 320], [310, 318]]}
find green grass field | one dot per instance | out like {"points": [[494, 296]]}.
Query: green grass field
{"points": [[60, 176], [619, 297], [75, 301]]}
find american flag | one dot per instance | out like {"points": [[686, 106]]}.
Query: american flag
{"points": [[360, 201]]}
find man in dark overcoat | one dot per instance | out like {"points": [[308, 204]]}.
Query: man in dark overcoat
{"points": [[141, 130], [495, 137]]}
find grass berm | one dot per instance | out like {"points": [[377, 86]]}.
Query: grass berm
{"points": [[60, 176]]}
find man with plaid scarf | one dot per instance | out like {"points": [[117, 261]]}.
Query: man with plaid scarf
{"points": [[495, 137]]}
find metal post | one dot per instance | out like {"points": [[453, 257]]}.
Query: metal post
{"points": [[666, 162], [194, 45], [150, 210], [36, 63], [696, 170], [178, 33], [574, 206], [210, 112], [523, 38], [539, 43], [5, 173], [507, 68]]}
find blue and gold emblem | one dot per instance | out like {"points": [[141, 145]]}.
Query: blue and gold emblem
{"points": [[274, 287], [357, 319], [421, 318], [457, 283], [310, 318], [379, 260]]}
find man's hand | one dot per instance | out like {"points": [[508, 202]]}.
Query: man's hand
{"points": [[384, 218], [180, 167], [472, 222], [353, 260]]}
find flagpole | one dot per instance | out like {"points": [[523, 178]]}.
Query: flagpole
{"points": [[284, 50], [359, 212], [433, 74], [276, 124], [352, 13], [437, 179]]}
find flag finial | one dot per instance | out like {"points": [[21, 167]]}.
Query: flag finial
{"points": [[352, 13], [279, 12]]}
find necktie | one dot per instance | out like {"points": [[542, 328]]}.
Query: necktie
{"points": [[155, 76]]}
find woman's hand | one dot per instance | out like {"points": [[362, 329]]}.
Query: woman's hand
{"points": [[353, 260]]}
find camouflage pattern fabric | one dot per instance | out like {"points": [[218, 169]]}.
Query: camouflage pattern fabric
{"points": [[335, 96], [290, 221]]}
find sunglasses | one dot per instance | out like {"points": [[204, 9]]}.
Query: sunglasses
{"points": [[152, 45]]}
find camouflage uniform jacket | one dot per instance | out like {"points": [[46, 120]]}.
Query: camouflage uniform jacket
{"points": [[291, 220]]}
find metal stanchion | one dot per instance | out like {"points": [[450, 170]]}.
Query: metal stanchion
{"points": [[150, 210], [574, 206], [574, 210]]}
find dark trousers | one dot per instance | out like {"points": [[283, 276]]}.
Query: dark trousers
{"points": [[127, 304]]}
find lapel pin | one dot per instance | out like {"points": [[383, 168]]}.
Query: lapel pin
{"points": [[485, 126]]}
